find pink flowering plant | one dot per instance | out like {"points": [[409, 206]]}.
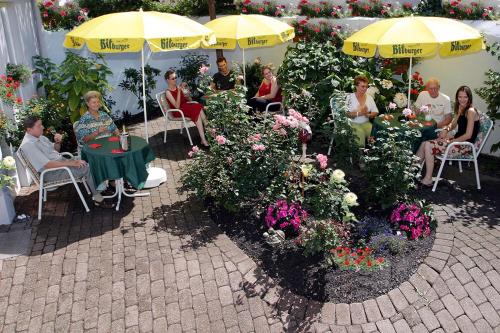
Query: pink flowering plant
{"points": [[322, 30], [67, 16], [473, 11], [321, 9], [415, 220], [244, 156], [287, 216], [269, 8], [377, 8]]}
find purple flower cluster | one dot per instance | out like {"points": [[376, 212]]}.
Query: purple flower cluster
{"points": [[285, 215], [411, 219]]}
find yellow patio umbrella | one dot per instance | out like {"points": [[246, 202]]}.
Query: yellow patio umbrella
{"points": [[127, 32], [414, 36], [248, 31]]}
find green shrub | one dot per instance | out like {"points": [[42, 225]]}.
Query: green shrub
{"points": [[190, 71], [21, 73], [393, 244], [391, 167], [133, 83], [319, 236], [66, 84], [243, 158]]}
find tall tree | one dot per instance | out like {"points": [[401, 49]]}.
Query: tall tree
{"points": [[212, 14]]}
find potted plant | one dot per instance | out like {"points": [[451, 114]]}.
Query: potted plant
{"points": [[7, 211]]}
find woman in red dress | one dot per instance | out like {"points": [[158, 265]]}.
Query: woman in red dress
{"points": [[176, 99], [269, 92]]}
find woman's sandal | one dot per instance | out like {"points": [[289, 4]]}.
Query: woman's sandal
{"points": [[424, 185]]}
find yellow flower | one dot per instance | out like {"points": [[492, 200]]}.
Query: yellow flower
{"points": [[306, 169]]}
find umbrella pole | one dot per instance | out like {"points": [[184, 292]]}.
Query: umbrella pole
{"points": [[409, 82], [244, 70], [144, 95]]}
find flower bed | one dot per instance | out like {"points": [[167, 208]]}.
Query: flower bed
{"points": [[299, 218]]}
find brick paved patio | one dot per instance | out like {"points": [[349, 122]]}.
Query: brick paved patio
{"points": [[160, 264]]}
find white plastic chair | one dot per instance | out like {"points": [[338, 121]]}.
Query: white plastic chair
{"points": [[43, 185], [168, 116], [485, 126]]}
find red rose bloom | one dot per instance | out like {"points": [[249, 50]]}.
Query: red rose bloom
{"points": [[347, 262]]}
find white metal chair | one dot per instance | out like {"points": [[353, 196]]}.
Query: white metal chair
{"points": [[268, 106], [43, 185], [333, 114], [79, 146], [168, 116], [485, 126]]}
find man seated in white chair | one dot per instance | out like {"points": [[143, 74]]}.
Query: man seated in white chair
{"points": [[43, 154], [438, 103]]}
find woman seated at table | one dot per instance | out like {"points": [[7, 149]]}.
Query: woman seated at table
{"points": [[94, 124], [176, 99], [466, 119], [269, 92], [362, 108]]}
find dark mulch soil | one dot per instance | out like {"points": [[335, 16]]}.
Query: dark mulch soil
{"points": [[308, 276]]}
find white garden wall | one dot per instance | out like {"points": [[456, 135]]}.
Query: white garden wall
{"points": [[452, 72]]}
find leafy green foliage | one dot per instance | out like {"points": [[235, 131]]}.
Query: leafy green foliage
{"points": [[254, 77], [133, 83], [53, 121], [65, 85], [19, 72], [233, 173], [318, 236], [490, 91], [391, 168], [392, 244], [181, 7], [190, 71], [345, 153]]}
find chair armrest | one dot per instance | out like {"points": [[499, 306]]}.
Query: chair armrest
{"points": [[66, 154], [273, 104], [176, 110]]}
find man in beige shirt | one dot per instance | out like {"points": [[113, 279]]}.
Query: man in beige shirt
{"points": [[43, 154]]}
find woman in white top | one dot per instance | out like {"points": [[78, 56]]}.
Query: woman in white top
{"points": [[362, 108]]}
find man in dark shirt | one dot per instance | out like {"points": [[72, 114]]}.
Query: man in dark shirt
{"points": [[223, 79]]}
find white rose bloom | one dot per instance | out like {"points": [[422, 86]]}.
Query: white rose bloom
{"points": [[351, 199], [372, 91], [9, 162], [400, 100], [338, 175], [387, 84]]}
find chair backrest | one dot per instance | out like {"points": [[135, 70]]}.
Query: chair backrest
{"points": [[485, 127], [334, 109], [27, 164], [161, 98]]}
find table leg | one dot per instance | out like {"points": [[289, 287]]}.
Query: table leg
{"points": [[120, 189]]}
